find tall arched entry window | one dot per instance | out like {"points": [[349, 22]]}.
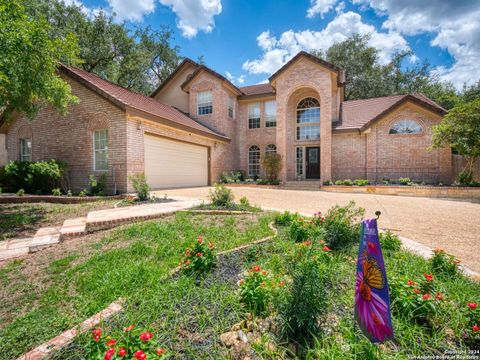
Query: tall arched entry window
{"points": [[254, 161], [308, 119]]}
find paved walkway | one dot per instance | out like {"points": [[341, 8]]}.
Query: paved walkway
{"points": [[95, 220], [453, 225]]}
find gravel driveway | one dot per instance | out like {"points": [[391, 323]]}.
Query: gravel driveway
{"points": [[453, 225]]}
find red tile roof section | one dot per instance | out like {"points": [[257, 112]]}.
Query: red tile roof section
{"points": [[126, 99], [359, 114], [259, 89]]}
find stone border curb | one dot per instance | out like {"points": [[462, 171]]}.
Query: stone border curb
{"points": [[65, 338]]}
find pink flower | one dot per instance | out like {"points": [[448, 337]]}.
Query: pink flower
{"points": [[140, 355], [472, 305], [161, 351], [146, 336], [200, 239], [256, 268], [426, 296], [428, 277], [199, 254], [111, 342], [439, 297], [475, 327], [97, 333], [109, 354], [326, 248], [122, 352]]}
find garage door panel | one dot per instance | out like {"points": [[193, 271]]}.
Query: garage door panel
{"points": [[170, 163]]}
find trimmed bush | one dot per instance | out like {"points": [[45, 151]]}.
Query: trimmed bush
{"points": [[404, 181], [339, 182], [360, 182], [221, 196], [229, 177], [139, 183], [38, 177], [56, 192], [347, 182], [327, 182]]}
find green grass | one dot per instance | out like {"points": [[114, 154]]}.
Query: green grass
{"points": [[128, 263]]}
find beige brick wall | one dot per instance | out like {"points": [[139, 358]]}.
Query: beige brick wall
{"points": [[69, 138]]}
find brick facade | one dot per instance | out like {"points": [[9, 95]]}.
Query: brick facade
{"points": [[355, 153]]}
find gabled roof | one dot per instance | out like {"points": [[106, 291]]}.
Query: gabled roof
{"points": [[145, 106], [185, 61], [201, 68], [360, 114], [257, 90], [326, 64]]}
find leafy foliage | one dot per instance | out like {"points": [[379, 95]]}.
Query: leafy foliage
{"points": [[342, 225], [285, 218], [361, 182], [221, 196], [228, 177], [139, 183], [199, 258], [97, 185], [404, 181], [299, 230], [272, 163], [443, 263], [255, 290], [29, 61], [390, 242]]}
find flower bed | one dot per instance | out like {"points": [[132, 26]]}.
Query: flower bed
{"points": [[60, 199]]}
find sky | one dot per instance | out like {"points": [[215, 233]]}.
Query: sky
{"points": [[248, 40]]}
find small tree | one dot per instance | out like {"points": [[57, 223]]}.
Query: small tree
{"points": [[460, 129], [272, 163], [139, 183]]}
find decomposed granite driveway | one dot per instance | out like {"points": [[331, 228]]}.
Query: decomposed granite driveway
{"points": [[453, 225]]}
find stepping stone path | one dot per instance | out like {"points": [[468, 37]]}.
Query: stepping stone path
{"points": [[95, 220]]}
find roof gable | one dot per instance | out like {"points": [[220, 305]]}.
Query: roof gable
{"points": [[203, 68], [185, 63], [325, 64]]}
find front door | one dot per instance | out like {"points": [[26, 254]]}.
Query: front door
{"points": [[313, 163]]}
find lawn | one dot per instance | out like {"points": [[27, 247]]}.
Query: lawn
{"points": [[22, 220], [59, 287]]}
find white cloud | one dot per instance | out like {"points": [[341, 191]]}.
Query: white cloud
{"points": [[194, 15], [320, 7], [277, 51], [239, 80], [455, 25], [132, 10]]}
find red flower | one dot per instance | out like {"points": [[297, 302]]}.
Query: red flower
{"points": [[140, 355], [146, 336], [262, 284], [472, 305], [187, 262], [281, 283], [475, 327], [256, 268], [97, 333], [200, 239], [426, 296], [109, 354], [122, 352], [439, 297], [410, 282], [111, 342], [326, 248], [161, 351], [130, 328], [187, 252], [307, 242], [416, 291], [428, 277], [199, 254], [264, 272]]}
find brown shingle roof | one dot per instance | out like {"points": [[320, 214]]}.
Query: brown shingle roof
{"points": [[259, 89], [360, 114], [150, 108]]}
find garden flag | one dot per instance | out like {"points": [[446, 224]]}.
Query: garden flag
{"points": [[372, 302]]}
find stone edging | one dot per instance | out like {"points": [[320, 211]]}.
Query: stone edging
{"points": [[68, 336]]}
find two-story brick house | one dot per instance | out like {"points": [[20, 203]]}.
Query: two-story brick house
{"points": [[198, 124]]}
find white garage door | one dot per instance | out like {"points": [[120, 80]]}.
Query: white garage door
{"points": [[170, 163]]}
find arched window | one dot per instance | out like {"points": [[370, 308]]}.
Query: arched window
{"points": [[406, 127], [271, 149], [308, 119], [254, 161]]}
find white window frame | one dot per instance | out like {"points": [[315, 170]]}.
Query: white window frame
{"points": [[231, 107], [404, 124], [307, 127], [271, 149], [25, 156], [253, 116], [271, 119], [103, 149], [253, 161], [204, 100]]}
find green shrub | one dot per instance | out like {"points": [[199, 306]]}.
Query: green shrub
{"points": [[361, 182], [139, 183], [262, 182], [34, 177], [244, 202], [272, 163], [404, 181], [69, 193], [347, 182], [390, 242], [83, 193], [475, 184], [443, 263], [199, 258], [255, 291], [299, 231], [221, 196], [303, 308], [285, 218], [20, 192], [328, 182], [97, 185], [56, 192], [342, 225], [465, 177], [339, 182], [275, 182], [228, 177]]}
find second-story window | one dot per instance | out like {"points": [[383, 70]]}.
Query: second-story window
{"points": [[204, 102], [231, 107], [254, 116], [271, 114]]}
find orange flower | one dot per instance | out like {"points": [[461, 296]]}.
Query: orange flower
{"points": [[410, 282], [416, 291], [281, 283], [264, 272], [256, 268], [428, 277], [426, 296], [326, 248], [199, 254], [262, 284], [200, 239]]}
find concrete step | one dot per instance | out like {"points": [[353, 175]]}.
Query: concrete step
{"points": [[45, 237], [73, 227], [307, 184]]}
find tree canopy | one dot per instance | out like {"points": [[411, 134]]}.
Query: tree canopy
{"points": [[29, 60]]}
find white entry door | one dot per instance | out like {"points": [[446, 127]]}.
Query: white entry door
{"points": [[170, 163]]}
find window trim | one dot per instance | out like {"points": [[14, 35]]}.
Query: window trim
{"points": [[269, 123], [203, 104], [395, 122], [300, 125], [232, 99], [21, 154], [251, 119], [271, 149], [252, 148], [105, 149]]}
